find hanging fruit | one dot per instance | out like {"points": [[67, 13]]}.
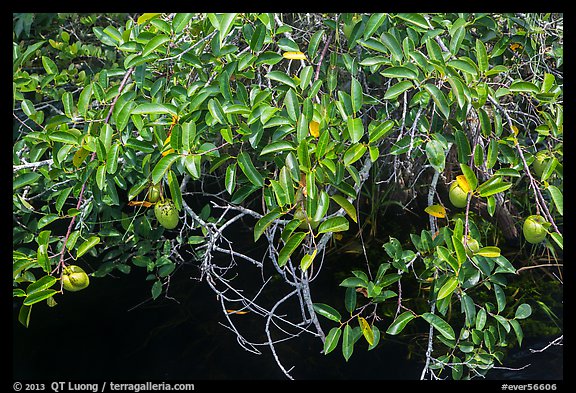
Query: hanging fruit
{"points": [[166, 213], [74, 278]]}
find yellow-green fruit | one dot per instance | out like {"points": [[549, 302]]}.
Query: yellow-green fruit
{"points": [[74, 278], [166, 213], [457, 195], [154, 193], [539, 163], [533, 229], [472, 245]]}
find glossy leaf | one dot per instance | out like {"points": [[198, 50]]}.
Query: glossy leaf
{"points": [[39, 296], [250, 170], [557, 197], [87, 245], [373, 23], [290, 246], [500, 297], [162, 167], [154, 44], [355, 129], [356, 94], [470, 176], [488, 252], [307, 260], [462, 146], [449, 286], [439, 99], [435, 154], [347, 342], [327, 311], [400, 323], [294, 56], [397, 89], [265, 222], [346, 205], [332, 339], [440, 325], [354, 153], [523, 311], [174, 186], [281, 77], [481, 56], [334, 224]]}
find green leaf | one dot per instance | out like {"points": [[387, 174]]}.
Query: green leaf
{"points": [[155, 109], [180, 21], [493, 186], [162, 167], [307, 260], [480, 319], [332, 340], [523, 87], [47, 219], [354, 153], [281, 77], [230, 179], [415, 19], [435, 154], [500, 297], [557, 197], [112, 158], [374, 22], [87, 245], [346, 205], [523, 311], [264, 222], [276, 147], [225, 22], [399, 72], [347, 342], [192, 163], [290, 246], [175, 192], [334, 224], [517, 330], [327, 312], [39, 296], [84, 100], [25, 179], [439, 324], [464, 66], [355, 129], [154, 44], [249, 170], [156, 289], [470, 176], [350, 298], [24, 315], [397, 89], [356, 94], [439, 99], [462, 146], [216, 111], [449, 286], [481, 56], [400, 323], [68, 102], [49, 65], [41, 284]]}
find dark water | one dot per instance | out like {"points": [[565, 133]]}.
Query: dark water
{"points": [[111, 332]]}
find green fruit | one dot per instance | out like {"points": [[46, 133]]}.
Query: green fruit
{"points": [[166, 213], [154, 193], [534, 229], [74, 278], [472, 245], [457, 195], [539, 163]]}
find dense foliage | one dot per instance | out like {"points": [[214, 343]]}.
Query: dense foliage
{"points": [[149, 141]]}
